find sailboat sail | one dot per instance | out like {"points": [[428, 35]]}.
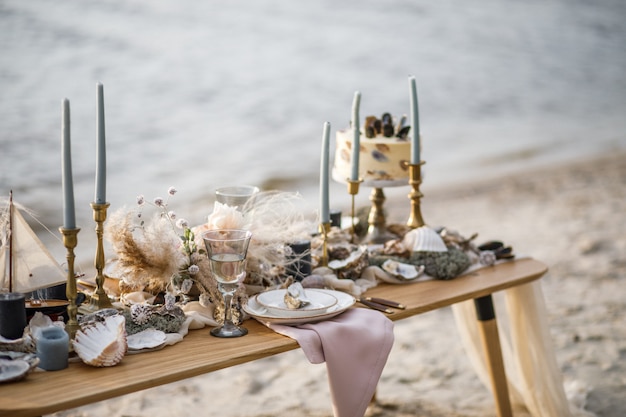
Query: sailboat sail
{"points": [[33, 266]]}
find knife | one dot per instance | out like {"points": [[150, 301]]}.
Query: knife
{"points": [[375, 306], [387, 303]]}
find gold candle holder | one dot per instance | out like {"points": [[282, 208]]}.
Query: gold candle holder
{"points": [[415, 179], [70, 240], [324, 229], [353, 190], [377, 229], [99, 299]]}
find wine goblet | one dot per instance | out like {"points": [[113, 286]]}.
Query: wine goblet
{"points": [[227, 250]]}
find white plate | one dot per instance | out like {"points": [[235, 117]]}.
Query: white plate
{"points": [[344, 302], [274, 302]]}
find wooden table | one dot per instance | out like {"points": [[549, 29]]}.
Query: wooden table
{"points": [[47, 392]]}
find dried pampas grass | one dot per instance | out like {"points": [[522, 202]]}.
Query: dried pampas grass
{"points": [[147, 254]]}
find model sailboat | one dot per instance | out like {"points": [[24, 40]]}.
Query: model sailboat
{"points": [[25, 263]]}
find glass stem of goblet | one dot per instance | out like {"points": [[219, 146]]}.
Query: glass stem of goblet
{"points": [[227, 294]]}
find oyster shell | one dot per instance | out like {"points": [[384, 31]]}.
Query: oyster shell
{"points": [[402, 270], [424, 239], [352, 266], [102, 343], [13, 370], [295, 296]]}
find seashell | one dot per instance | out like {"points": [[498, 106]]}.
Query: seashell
{"points": [[146, 339], [295, 296], [352, 266], [403, 133], [140, 313], [384, 148], [379, 156], [424, 239], [13, 370], [401, 270], [102, 343]]}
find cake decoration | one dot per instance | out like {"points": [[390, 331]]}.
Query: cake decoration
{"points": [[384, 152]]}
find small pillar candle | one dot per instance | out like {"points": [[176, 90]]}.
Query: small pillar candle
{"points": [[12, 315], [300, 259], [53, 348]]}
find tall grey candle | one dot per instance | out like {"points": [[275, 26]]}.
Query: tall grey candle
{"points": [[12, 315]]}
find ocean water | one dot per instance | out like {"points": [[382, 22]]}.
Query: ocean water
{"points": [[204, 94]]}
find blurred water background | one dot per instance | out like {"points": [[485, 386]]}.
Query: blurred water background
{"points": [[201, 94]]}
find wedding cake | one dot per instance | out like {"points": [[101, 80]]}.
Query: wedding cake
{"points": [[385, 151]]}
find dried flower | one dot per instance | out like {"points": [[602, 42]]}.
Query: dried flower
{"points": [[140, 200], [193, 269], [172, 191], [171, 215], [170, 301], [205, 299], [186, 286], [158, 202], [182, 223]]}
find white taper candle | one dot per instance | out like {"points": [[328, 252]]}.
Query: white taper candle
{"points": [[324, 198], [356, 142], [415, 124], [69, 216], [101, 159]]}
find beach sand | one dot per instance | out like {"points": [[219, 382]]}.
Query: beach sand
{"points": [[570, 217]]}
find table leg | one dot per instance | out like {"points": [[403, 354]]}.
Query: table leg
{"points": [[493, 354]]}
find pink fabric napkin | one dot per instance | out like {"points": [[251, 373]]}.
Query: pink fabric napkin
{"points": [[355, 346]]}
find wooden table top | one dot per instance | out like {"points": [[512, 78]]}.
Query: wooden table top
{"points": [[199, 352]]}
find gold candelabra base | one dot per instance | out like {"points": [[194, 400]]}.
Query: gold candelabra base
{"points": [[99, 299], [70, 240], [415, 180], [377, 222]]}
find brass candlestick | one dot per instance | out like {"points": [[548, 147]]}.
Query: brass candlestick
{"points": [[415, 179], [324, 229], [99, 299], [70, 240], [353, 190], [377, 229]]}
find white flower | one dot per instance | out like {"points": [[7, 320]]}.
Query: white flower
{"points": [[226, 217], [170, 301], [186, 286], [171, 215], [182, 223], [158, 202], [172, 191], [140, 200], [193, 269]]}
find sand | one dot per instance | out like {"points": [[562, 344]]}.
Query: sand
{"points": [[570, 217]]}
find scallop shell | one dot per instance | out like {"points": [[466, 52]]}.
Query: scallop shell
{"points": [[401, 270], [425, 239], [102, 343]]}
